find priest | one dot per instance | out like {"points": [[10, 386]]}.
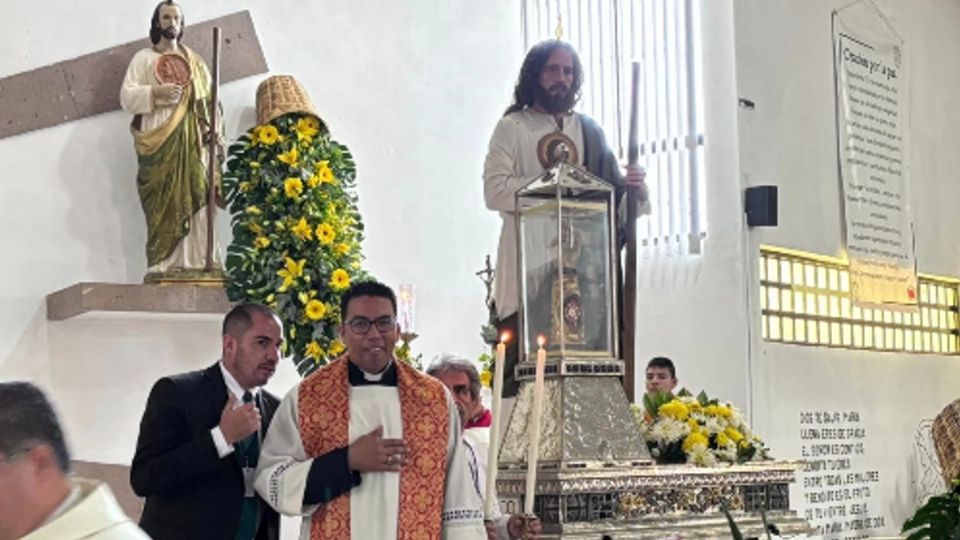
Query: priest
{"points": [[368, 447]]}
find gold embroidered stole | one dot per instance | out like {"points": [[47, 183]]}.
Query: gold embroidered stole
{"points": [[324, 417]]}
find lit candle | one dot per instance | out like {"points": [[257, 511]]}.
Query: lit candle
{"points": [[405, 307], [534, 449], [490, 500]]}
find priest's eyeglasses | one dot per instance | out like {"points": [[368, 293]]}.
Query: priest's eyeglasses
{"points": [[362, 325]]}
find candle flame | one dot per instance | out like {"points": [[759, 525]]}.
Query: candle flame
{"points": [[541, 341], [504, 337]]}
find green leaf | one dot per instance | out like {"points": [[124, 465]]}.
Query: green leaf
{"points": [[734, 530]]}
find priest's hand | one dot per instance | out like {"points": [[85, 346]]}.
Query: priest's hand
{"points": [[238, 423], [373, 453], [526, 528]]}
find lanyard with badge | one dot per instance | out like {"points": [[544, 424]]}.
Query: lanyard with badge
{"points": [[249, 466]]}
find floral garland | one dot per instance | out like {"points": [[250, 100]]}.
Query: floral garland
{"points": [[296, 231], [698, 430]]}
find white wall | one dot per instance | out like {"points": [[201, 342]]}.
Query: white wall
{"points": [[693, 308], [785, 66]]}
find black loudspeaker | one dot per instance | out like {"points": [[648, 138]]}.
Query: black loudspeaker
{"points": [[760, 204]]}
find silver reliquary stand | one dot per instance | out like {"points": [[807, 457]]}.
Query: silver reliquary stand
{"points": [[567, 254], [594, 475]]}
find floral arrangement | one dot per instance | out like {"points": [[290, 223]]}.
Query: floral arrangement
{"points": [[697, 430], [296, 230]]}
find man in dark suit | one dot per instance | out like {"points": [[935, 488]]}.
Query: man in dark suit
{"points": [[200, 439]]}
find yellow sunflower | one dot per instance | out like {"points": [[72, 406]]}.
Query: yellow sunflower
{"points": [[261, 242], [293, 187], [325, 234], [268, 135], [340, 279], [306, 128], [313, 181], [315, 310], [341, 249]]}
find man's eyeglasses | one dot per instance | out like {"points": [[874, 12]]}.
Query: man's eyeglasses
{"points": [[362, 325]]}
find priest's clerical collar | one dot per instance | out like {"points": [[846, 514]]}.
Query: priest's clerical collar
{"points": [[359, 377]]}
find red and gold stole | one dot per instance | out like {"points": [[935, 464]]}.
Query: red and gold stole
{"points": [[324, 405]]}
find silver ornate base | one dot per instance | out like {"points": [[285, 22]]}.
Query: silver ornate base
{"points": [[595, 478]]}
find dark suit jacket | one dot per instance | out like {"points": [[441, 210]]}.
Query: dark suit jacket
{"points": [[190, 491]]}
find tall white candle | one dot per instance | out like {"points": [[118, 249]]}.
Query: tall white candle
{"points": [[534, 447], [490, 500], [405, 309]]}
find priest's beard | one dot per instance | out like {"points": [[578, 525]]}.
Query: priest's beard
{"points": [[558, 99]]}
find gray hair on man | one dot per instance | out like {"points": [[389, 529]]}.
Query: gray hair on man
{"points": [[454, 363]]}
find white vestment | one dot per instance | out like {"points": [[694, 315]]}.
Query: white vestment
{"points": [[283, 469], [93, 514], [477, 441], [136, 98]]}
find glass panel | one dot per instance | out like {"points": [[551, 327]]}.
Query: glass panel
{"points": [[773, 273], [773, 299], [823, 305], [788, 329], [810, 275], [844, 281], [774, 328], [567, 283], [786, 300], [800, 329], [833, 279], [785, 272]]}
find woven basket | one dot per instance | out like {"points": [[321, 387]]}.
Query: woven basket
{"points": [[282, 94], [946, 438]]}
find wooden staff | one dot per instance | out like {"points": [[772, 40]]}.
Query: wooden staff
{"points": [[213, 162], [630, 268]]}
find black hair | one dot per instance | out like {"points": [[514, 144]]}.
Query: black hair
{"points": [[366, 288], [663, 362], [27, 419], [239, 319]]}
